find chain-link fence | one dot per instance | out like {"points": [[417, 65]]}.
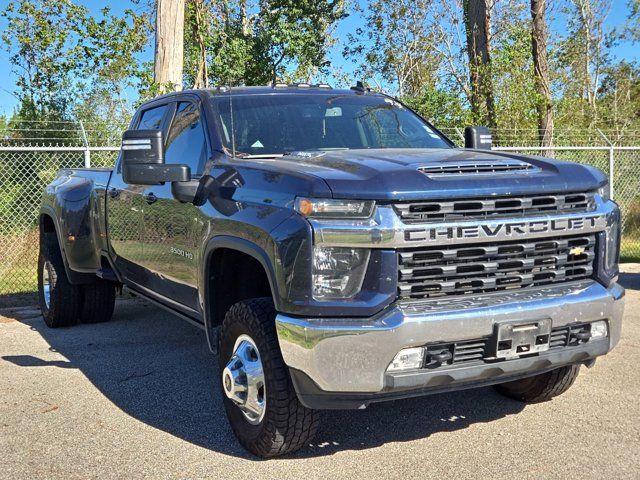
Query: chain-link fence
{"points": [[25, 170]]}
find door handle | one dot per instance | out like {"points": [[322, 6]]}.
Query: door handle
{"points": [[150, 198], [114, 193]]}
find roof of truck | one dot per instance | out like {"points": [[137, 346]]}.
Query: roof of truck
{"points": [[300, 88]]}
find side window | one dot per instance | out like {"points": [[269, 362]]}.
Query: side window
{"points": [[152, 119], [186, 141]]}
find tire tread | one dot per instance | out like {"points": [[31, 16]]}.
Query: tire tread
{"points": [[288, 425], [66, 299], [543, 387]]}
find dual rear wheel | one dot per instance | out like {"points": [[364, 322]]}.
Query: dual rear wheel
{"points": [[62, 303]]}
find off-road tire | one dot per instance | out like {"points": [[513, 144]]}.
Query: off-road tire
{"points": [[540, 388], [65, 302], [287, 425], [98, 301]]}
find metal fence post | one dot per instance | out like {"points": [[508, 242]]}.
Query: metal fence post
{"points": [[611, 161], [87, 152]]}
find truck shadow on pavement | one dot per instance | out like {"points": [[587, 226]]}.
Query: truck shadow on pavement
{"points": [[630, 280], [158, 369]]}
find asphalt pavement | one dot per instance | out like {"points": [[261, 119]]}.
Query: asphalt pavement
{"points": [[137, 398]]}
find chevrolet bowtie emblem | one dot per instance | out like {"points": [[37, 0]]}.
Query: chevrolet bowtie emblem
{"points": [[576, 251]]}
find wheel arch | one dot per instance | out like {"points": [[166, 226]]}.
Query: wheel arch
{"points": [[246, 256], [48, 223]]}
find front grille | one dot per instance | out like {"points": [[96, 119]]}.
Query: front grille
{"points": [[436, 272], [570, 335], [460, 352], [476, 168], [478, 350], [495, 207]]}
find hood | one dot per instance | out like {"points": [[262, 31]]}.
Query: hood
{"points": [[414, 174]]}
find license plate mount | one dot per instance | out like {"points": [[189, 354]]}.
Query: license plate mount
{"points": [[515, 339]]}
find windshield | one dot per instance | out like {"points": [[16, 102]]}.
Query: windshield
{"points": [[276, 124]]}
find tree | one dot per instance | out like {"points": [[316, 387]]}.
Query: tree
{"points": [[291, 37], [544, 105], [197, 18], [169, 46], [632, 29], [477, 17], [397, 46], [45, 54], [259, 42], [62, 56], [583, 56]]}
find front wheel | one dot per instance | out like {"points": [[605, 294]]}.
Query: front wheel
{"points": [[260, 401], [541, 388]]}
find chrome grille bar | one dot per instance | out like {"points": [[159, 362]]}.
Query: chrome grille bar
{"points": [[444, 210], [436, 272]]}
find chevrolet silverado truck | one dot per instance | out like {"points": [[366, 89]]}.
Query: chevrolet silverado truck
{"points": [[338, 250]]}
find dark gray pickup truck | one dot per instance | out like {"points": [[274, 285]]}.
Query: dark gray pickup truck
{"points": [[338, 250]]}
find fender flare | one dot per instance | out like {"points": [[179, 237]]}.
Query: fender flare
{"points": [[75, 278], [50, 212], [232, 243]]}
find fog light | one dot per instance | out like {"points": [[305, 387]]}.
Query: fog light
{"points": [[599, 329], [407, 359]]}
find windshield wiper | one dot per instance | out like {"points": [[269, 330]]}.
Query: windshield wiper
{"points": [[262, 155]]}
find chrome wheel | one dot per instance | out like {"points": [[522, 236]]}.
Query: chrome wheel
{"points": [[243, 380], [46, 284]]}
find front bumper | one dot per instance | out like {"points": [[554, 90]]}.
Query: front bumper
{"points": [[342, 363]]}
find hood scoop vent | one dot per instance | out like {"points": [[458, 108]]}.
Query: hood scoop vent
{"points": [[490, 167]]}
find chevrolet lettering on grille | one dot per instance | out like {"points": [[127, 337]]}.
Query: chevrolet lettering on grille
{"points": [[503, 230]]}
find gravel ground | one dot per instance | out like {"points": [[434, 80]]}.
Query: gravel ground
{"points": [[137, 398]]}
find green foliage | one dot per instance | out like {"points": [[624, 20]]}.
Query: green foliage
{"points": [[632, 28], [60, 54], [397, 45], [256, 43], [513, 78], [441, 107]]}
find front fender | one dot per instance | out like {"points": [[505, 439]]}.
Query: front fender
{"points": [[247, 247]]}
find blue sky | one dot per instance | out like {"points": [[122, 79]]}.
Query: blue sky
{"points": [[616, 18]]}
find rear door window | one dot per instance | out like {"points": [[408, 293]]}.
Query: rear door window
{"points": [[152, 119]]}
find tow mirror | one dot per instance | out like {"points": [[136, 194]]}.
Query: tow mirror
{"points": [[477, 138], [143, 160]]}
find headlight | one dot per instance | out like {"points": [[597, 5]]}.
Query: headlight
{"points": [[329, 208], [605, 192], [338, 272]]}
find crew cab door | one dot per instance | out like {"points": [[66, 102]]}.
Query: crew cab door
{"points": [[125, 207], [173, 231]]}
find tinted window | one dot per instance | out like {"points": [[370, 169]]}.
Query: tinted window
{"points": [[276, 124], [186, 142], [152, 119]]}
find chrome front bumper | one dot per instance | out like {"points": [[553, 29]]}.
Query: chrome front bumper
{"points": [[351, 356]]}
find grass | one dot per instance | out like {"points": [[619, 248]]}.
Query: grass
{"points": [[18, 262], [630, 250]]}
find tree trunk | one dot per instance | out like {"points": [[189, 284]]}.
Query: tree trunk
{"points": [[244, 18], [202, 75], [477, 19], [169, 44], [541, 72]]}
